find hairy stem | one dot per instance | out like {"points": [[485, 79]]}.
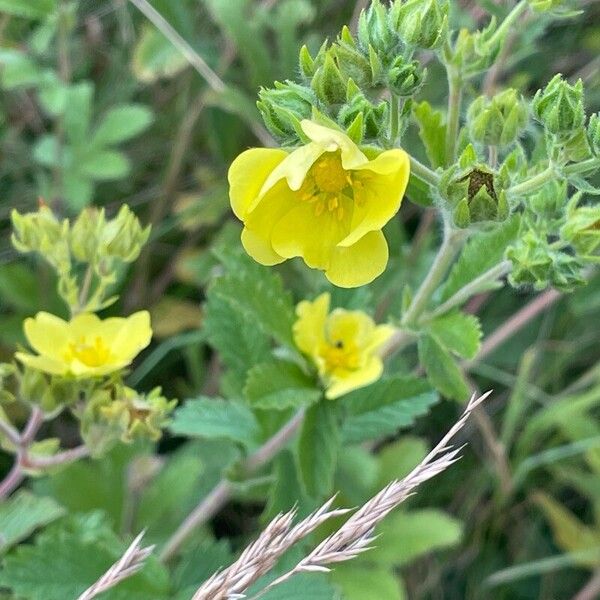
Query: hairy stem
{"points": [[425, 174], [221, 494], [453, 241], [455, 91], [533, 184]]}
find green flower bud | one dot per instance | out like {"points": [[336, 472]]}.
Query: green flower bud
{"points": [[374, 30], [582, 229], [497, 121], [593, 132], [43, 233], [284, 106], [560, 107], [328, 82], [475, 52], [85, 234], [352, 63], [309, 65], [421, 23], [32, 385], [537, 263], [123, 237], [374, 116], [405, 78]]}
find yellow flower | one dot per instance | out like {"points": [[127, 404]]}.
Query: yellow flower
{"points": [[344, 344], [325, 202], [85, 346]]}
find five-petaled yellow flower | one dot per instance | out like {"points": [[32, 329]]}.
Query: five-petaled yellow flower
{"points": [[344, 344], [85, 346], [325, 202]]}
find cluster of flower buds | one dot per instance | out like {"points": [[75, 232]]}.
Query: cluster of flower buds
{"points": [[421, 23]]}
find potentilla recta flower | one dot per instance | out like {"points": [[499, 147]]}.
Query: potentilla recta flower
{"points": [[85, 346], [343, 344], [325, 202]]}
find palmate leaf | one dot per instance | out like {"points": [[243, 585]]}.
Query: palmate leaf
{"points": [[385, 407], [279, 385], [459, 332]]}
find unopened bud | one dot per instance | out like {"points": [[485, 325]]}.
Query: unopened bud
{"points": [[374, 30], [123, 237], [405, 78], [421, 23], [560, 106], [328, 83]]}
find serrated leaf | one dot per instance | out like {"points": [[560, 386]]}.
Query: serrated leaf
{"points": [[385, 406], [30, 9], [155, 56], [318, 448], [105, 165], [257, 293], [406, 535], [214, 418], [432, 131], [482, 252], [441, 369], [279, 385], [459, 332], [71, 555], [22, 514], [122, 123]]}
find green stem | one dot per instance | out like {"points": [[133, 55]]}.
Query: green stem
{"points": [[454, 105], [453, 241], [510, 20], [533, 184], [425, 174], [394, 120]]}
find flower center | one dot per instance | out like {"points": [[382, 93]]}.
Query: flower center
{"points": [[91, 355], [328, 185], [339, 354]]}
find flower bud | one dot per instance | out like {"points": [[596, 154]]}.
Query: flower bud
{"points": [[374, 116], [593, 132], [328, 82], [582, 228], [123, 237], [497, 121], [352, 62], [475, 52], [309, 65], [374, 30], [85, 234], [559, 107], [405, 78], [421, 23], [284, 106]]}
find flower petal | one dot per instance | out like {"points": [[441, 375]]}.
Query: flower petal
{"points": [[331, 140], [360, 263], [47, 334], [42, 363], [86, 326], [260, 249], [247, 176], [301, 233], [134, 335], [383, 185], [309, 329], [340, 385]]}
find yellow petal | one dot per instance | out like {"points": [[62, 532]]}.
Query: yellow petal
{"points": [[134, 335], [309, 329], [332, 140], [383, 187], [260, 223], [301, 233], [42, 363], [350, 326], [86, 326], [353, 380], [247, 176], [47, 334], [82, 370], [360, 263]]}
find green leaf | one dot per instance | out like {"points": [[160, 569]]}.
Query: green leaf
{"points": [[214, 418], [442, 370], [105, 165], [279, 385], [19, 287], [385, 406], [367, 582], [22, 514], [30, 9], [318, 448], [78, 113], [78, 189], [121, 124], [482, 252], [583, 185], [198, 563], [155, 56], [406, 535], [459, 332], [257, 293], [18, 69], [68, 557], [419, 192], [46, 151], [432, 131], [399, 458]]}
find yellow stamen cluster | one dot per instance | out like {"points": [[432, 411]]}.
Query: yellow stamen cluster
{"points": [[339, 355], [91, 355]]}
